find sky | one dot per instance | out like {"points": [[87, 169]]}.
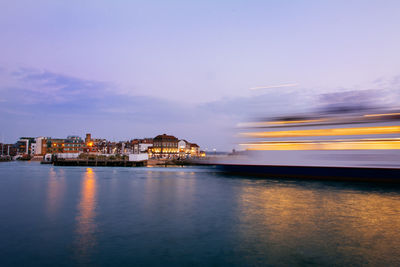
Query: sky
{"points": [[194, 69]]}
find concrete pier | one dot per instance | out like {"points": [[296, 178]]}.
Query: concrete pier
{"points": [[94, 163]]}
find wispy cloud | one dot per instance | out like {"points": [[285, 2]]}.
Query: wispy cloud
{"points": [[50, 87], [53, 104], [274, 86]]}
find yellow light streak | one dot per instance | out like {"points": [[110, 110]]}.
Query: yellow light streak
{"points": [[327, 132], [268, 123], [295, 121], [384, 114], [362, 144]]}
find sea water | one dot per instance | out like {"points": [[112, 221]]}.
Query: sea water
{"points": [[192, 216]]}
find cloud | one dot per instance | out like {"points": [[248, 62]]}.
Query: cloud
{"points": [[59, 94], [45, 86], [52, 104], [274, 86], [44, 103]]}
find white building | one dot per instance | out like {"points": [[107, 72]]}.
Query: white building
{"points": [[184, 148], [39, 145], [141, 148]]}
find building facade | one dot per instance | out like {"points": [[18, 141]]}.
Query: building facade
{"points": [[55, 145], [41, 146], [23, 145], [73, 144], [142, 145], [194, 150], [164, 146], [8, 149], [187, 149]]}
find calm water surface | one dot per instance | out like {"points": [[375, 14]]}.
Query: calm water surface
{"points": [[190, 216]]}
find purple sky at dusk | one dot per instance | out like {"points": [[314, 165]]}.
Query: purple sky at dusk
{"points": [[126, 69]]}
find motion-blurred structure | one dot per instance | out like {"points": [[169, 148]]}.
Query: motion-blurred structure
{"points": [[338, 136]]}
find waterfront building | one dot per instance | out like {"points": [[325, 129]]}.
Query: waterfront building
{"points": [[55, 145], [141, 145], [194, 150], [41, 146], [164, 146], [91, 145], [109, 148], [73, 144], [8, 149], [187, 149], [142, 148], [88, 138], [184, 148], [102, 146], [23, 145], [69, 147], [126, 148]]}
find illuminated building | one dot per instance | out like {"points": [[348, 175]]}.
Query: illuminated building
{"points": [[164, 146], [194, 150], [184, 148], [73, 144], [91, 145], [187, 149], [55, 145], [88, 138]]}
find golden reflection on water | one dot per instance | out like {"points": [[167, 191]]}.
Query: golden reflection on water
{"points": [[352, 222], [85, 219], [55, 192]]}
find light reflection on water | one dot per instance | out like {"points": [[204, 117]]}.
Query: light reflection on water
{"points": [[55, 192], [86, 221], [316, 226], [189, 216]]}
